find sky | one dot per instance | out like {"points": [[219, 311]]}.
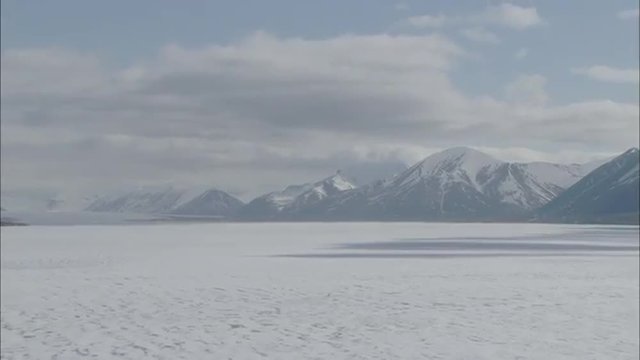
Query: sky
{"points": [[249, 96]]}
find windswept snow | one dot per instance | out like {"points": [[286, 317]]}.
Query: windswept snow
{"points": [[320, 291]]}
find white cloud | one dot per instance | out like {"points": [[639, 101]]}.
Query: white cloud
{"points": [[282, 110], [481, 35], [521, 53], [503, 15], [428, 21], [527, 89], [629, 14], [609, 74], [511, 16]]}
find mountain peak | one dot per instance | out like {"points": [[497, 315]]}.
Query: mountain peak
{"points": [[468, 159], [458, 164], [459, 150], [337, 181], [629, 155], [463, 151]]}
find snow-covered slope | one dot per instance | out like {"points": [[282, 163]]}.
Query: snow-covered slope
{"points": [[332, 186], [322, 189], [458, 164], [532, 185], [294, 199], [609, 193], [268, 206], [280, 199]]}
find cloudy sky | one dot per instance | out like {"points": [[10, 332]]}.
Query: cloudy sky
{"points": [[250, 96]]}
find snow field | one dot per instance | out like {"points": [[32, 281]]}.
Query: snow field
{"points": [[256, 291]]}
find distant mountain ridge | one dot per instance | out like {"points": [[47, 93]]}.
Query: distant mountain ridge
{"points": [[45, 202], [170, 200]]}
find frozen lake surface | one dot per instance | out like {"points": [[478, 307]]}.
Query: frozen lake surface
{"points": [[320, 291]]}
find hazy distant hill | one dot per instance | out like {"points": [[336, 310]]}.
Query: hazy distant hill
{"points": [[169, 200]]}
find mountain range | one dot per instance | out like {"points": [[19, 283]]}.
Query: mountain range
{"points": [[457, 184]]}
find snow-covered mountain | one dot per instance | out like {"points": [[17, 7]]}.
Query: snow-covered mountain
{"points": [[608, 193], [529, 186], [169, 200], [449, 182], [268, 206], [455, 184], [304, 205], [294, 199]]}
